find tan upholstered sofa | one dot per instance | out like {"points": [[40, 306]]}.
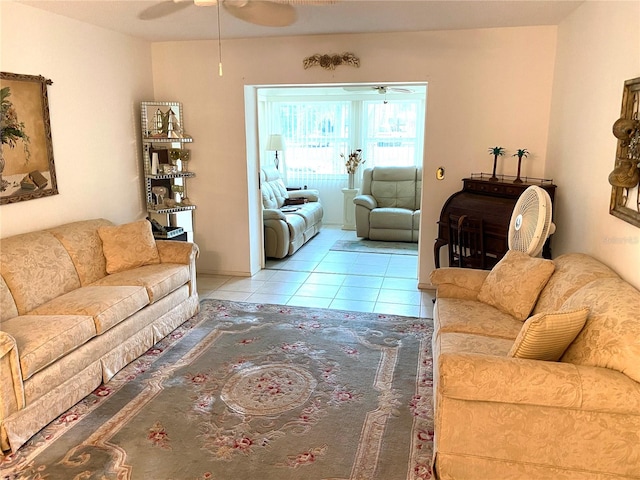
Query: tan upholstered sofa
{"points": [[503, 417], [287, 226], [67, 325], [388, 204]]}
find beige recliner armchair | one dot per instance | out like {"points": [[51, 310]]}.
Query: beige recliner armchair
{"points": [[291, 218], [388, 207]]}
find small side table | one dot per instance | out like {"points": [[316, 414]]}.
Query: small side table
{"points": [[349, 209]]}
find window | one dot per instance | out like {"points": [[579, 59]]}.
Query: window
{"points": [[318, 124]]}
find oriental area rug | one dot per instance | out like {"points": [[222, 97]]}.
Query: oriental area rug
{"points": [[254, 391], [375, 246]]}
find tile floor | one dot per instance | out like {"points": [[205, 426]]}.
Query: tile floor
{"points": [[316, 276]]}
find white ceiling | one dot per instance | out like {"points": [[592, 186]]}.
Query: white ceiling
{"points": [[342, 16]]}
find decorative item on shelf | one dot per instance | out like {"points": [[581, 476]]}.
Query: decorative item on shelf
{"points": [[625, 177], [178, 192], [275, 143], [158, 127], [522, 152], [496, 152], [330, 62], [186, 202], [160, 194], [154, 163], [173, 125], [352, 163], [174, 159], [185, 156]]}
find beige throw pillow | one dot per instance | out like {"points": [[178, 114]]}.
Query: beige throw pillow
{"points": [[128, 246], [546, 336], [514, 284]]}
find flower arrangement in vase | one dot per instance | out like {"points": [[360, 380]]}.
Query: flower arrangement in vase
{"points": [[352, 163]]}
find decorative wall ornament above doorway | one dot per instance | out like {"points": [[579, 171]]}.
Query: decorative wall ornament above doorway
{"points": [[330, 62], [624, 179]]}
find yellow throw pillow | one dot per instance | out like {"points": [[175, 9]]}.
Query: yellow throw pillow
{"points": [[128, 246], [546, 336], [514, 284]]}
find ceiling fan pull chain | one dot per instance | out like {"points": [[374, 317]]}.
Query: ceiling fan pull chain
{"points": [[219, 42]]}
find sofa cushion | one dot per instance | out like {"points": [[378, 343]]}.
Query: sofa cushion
{"points": [[471, 316], [391, 218], [311, 212], [42, 339], [573, 271], [159, 280], [36, 268], [122, 252], [453, 342], [82, 242], [395, 187], [610, 338], [107, 305], [274, 192], [546, 336], [514, 283]]}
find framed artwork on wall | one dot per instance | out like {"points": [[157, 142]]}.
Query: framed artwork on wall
{"points": [[625, 177], [27, 169]]}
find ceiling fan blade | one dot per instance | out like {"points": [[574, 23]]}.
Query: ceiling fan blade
{"points": [[162, 9], [400, 90], [260, 12]]}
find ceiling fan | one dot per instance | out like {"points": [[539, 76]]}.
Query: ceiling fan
{"points": [[270, 13], [381, 89]]}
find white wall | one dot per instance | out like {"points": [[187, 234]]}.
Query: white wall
{"points": [[99, 78], [485, 88], [598, 49]]}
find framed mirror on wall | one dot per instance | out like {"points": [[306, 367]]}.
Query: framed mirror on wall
{"points": [[27, 170], [625, 177]]}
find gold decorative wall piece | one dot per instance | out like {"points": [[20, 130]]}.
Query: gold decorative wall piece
{"points": [[624, 179], [330, 62]]}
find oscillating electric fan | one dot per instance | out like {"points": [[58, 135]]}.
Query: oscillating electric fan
{"points": [[530, 224]]}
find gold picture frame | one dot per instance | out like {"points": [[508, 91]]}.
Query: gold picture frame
{"points": [[625, 191], [27, 170]]}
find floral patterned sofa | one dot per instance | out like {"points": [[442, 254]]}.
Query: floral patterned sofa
{"points": [[77, 303], [510, 406]]}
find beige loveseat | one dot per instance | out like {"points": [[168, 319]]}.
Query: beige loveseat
{"points": [[287, 224], [67, 325], [503, 417], [388, 204]]}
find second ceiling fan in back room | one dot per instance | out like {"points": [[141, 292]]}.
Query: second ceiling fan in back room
{"points": [[269, 13]]}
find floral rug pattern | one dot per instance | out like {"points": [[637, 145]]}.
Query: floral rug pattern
{"points": [[254, 391]]}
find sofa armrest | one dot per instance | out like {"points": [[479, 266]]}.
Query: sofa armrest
{"points": [[311, 195], [498, 379], [366, 201], [11, 387], [273, 214], [174, 251], [454, 282]]}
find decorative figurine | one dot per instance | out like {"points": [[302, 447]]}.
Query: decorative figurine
{"points": [[496, 152], [523, 152]]}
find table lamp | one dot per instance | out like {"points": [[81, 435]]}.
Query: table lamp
{"points": [[275, 143]]}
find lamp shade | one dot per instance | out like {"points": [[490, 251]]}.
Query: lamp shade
{"points": [[275, 143]]}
